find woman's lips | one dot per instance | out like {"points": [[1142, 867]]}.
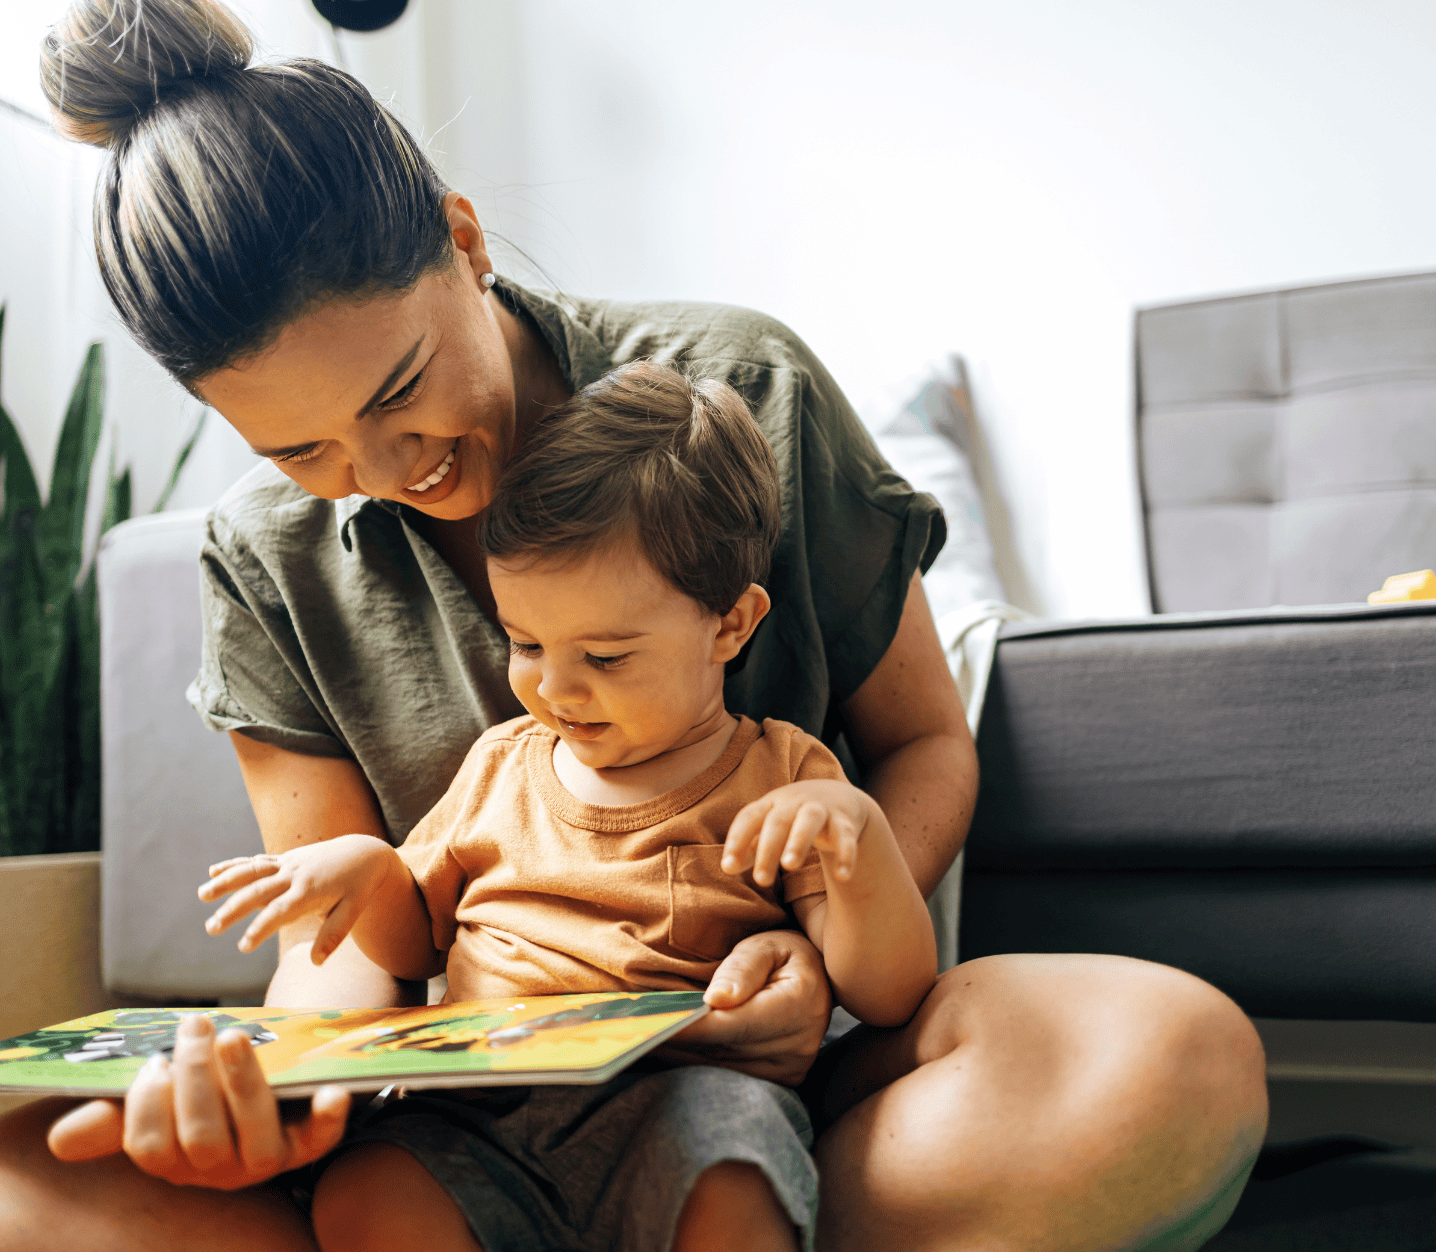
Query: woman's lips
{"points": [[583, 730], [438, 483]]}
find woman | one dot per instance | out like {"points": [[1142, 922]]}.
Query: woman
{"points": [[282, 246]]}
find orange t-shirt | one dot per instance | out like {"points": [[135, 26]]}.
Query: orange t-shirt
{"points": [[534, 892]]}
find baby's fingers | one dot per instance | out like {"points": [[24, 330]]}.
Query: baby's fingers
{"points": [[807, 825], [290, 906], [772, 839], [839, 845], [229, 875], [244, 902], [339, 923], [738, 847]]}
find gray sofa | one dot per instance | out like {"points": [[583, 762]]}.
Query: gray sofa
{"points": [[1288, 443], [1248, 796], [173, 801], [1242, 790]]}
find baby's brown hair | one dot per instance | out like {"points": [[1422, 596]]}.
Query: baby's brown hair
{"points": [[678, 461]]}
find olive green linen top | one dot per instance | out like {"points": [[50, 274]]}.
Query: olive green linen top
{"points": [[332, 628]]}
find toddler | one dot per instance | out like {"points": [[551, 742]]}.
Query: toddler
{"points": [[624, 836]]}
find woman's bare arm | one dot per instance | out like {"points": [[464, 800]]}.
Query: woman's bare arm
{"points": [[907, 727], [304, 799]]}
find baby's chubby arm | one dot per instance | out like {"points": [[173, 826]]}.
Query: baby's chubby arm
{"points": [[357, 882], [873, 927]]}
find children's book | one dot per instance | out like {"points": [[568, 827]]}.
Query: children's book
{"points": [[584, 1038]]}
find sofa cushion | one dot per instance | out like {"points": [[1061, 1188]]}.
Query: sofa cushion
{"points": [[1311, 944], [1288, 443], [1274, 738]]}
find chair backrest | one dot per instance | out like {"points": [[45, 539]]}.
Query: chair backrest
{"points": [[173, 799], [1288, 443]]}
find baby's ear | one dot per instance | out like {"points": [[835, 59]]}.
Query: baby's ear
{"points": [[737, 625]]}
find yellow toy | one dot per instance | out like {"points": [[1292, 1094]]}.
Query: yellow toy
{"points": [[1418, 586]]}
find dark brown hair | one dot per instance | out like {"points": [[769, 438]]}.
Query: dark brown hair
{"points": [[679, 462], [235, 196]]}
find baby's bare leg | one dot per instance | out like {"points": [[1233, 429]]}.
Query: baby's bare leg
{"points": [[378, 1198], [732, 1206]]}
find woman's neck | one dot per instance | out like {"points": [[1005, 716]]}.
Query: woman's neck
{"points": [[539, 382]]}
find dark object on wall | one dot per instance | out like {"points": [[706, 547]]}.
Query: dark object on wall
{"points": [[361, 15], [49, 631], [1288, 443]]}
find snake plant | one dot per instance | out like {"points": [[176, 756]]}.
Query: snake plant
{"points": [[49, 629]]}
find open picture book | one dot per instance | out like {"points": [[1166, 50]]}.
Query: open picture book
{"points": [[585, 1038]]}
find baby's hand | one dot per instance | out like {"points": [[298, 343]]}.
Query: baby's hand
{"points": [[782, 826], [336, 877]]}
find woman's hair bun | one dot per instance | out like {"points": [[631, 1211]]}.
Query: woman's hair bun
{"points": [[106, 63]]}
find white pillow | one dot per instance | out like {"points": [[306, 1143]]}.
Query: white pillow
{"points": [[922, 439]]}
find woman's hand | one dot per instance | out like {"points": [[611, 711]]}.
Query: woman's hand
{"points": [[205, 1119], [770, 1003], [336, 879], [780, 827]]}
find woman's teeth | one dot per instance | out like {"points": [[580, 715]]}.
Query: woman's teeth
{"points": [[435, 476]]}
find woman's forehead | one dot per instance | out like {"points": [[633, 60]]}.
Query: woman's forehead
{"points": [[331, 359]]}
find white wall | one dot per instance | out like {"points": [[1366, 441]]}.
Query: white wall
{"points": [[897, 182], [55, 303], [1007, 180]]}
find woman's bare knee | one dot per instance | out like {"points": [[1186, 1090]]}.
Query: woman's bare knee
{"points": [[732, 1205], [108, 1203], [379, 1198]]}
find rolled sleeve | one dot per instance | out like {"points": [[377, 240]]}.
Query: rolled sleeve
{"points": [[244, 682]]}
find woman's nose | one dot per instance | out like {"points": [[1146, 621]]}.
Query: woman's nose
{"points": [[380, 466]]}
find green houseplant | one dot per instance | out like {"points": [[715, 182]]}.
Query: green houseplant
{"points": [[49, 630]]}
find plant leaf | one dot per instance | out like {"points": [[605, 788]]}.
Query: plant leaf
{"points": [[180, 461], [62, 522], [117, 497], [22, 492]]}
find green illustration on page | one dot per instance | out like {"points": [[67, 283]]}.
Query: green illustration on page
{"points": [[581, 1038]]}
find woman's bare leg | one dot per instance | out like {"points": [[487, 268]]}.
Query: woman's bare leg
{"points": [[732, 1206], [379, 1198], [1069, 1103], [46, 1204]]}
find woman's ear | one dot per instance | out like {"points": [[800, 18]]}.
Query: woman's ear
{"points": [[467, 234], [737, 625]]}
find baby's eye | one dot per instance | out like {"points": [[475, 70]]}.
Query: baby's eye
{"points": [[606, 662], [523, 649]]}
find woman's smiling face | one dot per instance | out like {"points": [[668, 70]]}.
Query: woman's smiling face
{"points": [[406, 397]]}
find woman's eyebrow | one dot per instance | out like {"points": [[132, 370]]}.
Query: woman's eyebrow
{"points": [[394, 376]]}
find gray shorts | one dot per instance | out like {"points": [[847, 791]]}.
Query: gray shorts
{"points": [[603, 1168]]}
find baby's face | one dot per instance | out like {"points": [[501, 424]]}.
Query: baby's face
{"points": [[609, 654]]}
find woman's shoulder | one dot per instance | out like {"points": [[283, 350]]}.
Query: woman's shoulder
{"points": [[700, 334], [267, 514]]}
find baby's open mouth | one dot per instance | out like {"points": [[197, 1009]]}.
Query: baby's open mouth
{"points": [[437, 476], [583, 730]]}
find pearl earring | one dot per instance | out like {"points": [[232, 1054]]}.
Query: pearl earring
{"points": [[487, 280]]}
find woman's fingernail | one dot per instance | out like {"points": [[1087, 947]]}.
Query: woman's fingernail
{"points": [[723, 988], [195, 1025]]}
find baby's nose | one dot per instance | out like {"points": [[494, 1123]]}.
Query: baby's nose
{"points": [[558, 685]]}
